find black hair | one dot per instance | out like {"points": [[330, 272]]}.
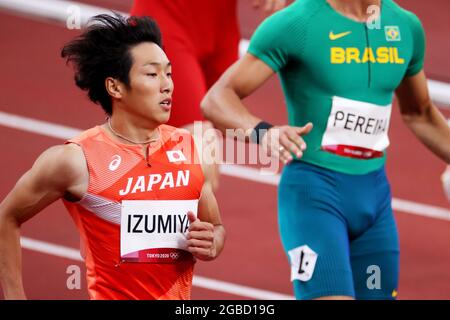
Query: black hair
{"points": [[103, 50]]}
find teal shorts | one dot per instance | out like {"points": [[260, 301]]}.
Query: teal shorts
{"points": [[339, 232]]}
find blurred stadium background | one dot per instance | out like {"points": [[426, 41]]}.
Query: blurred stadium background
{"points": [[40, 107]]}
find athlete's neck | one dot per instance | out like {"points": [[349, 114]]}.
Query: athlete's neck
{"points": [[355, 9], [131, 129]]}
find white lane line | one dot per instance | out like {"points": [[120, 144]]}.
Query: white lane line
{"points": [[37, 126], [243, 46], [419, 209], [198, 281], [51, 249], [64, 11], [238, 289], [237, 171], [440, 93]]}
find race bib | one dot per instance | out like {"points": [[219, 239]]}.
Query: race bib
{"points": [[357, 129], [155, 230]]}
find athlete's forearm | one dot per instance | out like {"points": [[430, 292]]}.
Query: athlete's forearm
{"points": [[10, 259], [219, 239], [224, 108], [432, 130]]}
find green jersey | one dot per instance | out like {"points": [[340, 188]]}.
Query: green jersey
{"points": [[340, 75]]}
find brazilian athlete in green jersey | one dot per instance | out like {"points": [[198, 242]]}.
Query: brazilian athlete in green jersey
{"points": [[339, 73]]}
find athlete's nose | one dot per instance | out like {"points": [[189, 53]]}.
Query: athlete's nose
{"points": [[166, 84]]}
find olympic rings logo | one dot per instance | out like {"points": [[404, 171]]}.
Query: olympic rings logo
{"points": [[174, 255]]}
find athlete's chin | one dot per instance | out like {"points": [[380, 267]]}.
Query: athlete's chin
{"points": [[163, 117], [156, 114]]}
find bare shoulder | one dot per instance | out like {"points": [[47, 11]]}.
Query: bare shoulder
{"points": [[61, 165], [59, 172], [68, 158]]}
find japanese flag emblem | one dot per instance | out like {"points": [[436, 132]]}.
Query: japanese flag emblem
{"points": [[175, 156]]}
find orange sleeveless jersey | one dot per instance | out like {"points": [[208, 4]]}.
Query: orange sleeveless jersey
{"points": [[114, 170]]}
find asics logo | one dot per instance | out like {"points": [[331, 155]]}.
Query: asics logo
{"points": [[115, 163], [338, 35]]}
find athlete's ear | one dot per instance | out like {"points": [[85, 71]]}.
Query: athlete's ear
{"points": [[114, 87]]}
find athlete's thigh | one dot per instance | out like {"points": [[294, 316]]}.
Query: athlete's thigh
{"points": [[375, 258], [224, 55], [189, 82], [314, 235]]}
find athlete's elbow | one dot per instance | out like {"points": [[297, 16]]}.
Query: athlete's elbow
{"points": [[209, 105], [417, 113], [205, 106]]}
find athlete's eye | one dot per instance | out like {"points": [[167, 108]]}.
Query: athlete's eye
{"points": [[169, 74], [152, 74]]}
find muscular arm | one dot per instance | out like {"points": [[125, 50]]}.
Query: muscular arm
{"points": [[206, 235], [58, 172], [222, 104], [422, 117]]}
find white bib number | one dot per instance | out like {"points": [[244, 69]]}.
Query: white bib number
{"points": [[155, 230], [357, 129]]}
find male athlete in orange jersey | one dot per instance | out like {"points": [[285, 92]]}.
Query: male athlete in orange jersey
{"points": [[201, 39], [132, 185]]}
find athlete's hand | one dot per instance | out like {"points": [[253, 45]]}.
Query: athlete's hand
{"points": [[200, 238], [283, 141], [270, 6]]}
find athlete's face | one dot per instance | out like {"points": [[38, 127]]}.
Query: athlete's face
{"points": [[151, 83]]}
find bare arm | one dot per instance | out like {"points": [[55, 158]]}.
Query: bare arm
{"points": [[206, 235], [55, 174], [223, 106], [422, 117]]}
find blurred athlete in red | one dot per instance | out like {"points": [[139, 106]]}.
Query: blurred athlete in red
{"points": [[133, 185], [201, 39]]}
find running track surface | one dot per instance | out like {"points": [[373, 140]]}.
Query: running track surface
{"points": [[36, 83]]}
